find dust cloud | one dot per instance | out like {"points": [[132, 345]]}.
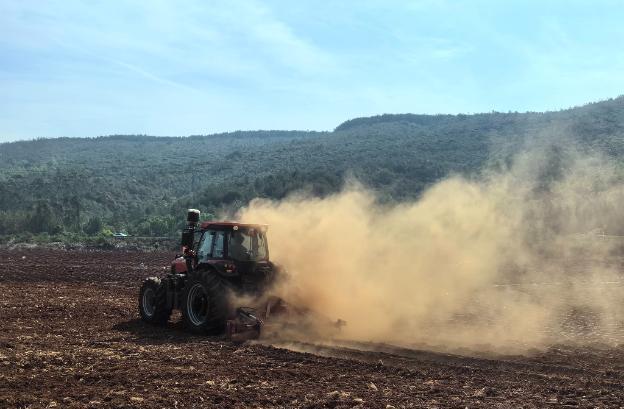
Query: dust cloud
{"points": [[515, 258]]}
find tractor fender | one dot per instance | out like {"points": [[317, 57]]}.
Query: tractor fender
{"points": [[178, 265]]}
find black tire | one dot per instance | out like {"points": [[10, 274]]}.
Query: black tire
{"points": [[204, 303], [153, 302]]}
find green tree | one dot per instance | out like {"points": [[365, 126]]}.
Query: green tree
{"points": [[93, 226], [43, 220]]}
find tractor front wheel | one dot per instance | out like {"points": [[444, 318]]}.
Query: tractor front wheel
{"points": [[153, 302], [204, 303]]}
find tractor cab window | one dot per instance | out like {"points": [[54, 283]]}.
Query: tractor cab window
{"points": [[249, 244], [217, 251], [210, 245], [196, 239], [261, 247], [204, 251]]}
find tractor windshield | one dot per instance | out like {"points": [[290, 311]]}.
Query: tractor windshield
{"points": [[247, 244]]}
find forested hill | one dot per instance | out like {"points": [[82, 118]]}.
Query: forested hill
{"points": [[142, 184]]}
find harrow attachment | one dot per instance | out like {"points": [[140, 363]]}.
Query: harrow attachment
{"points": [[275, 319]]}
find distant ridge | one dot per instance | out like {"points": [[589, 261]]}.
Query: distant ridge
{"points": [[426, 120], [141, 184]]}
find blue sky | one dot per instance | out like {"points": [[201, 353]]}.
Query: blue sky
{"points": [[88, 68]]}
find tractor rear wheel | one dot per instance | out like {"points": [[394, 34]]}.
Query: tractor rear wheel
{"points": [[204, 303], [153, 302]]}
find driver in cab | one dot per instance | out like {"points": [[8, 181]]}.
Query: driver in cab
{"points": [[237, 249]]}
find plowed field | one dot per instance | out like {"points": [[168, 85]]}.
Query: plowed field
{"points": [[70, 337]]}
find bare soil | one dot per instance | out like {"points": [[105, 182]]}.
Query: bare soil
{"points": [[70, 337]]}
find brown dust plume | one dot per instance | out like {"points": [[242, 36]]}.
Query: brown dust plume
{"points": [[513, 259]]}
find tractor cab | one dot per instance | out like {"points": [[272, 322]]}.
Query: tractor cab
{"points": [[230, 241], [238, 252]]}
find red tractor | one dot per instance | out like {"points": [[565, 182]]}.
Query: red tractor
{"points": [[218, 259]]}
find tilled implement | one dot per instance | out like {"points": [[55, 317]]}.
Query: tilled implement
{"points": [[250, 323], [275, 319]]}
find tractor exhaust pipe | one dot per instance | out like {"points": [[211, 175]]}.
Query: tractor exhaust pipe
{"points": [[188, 237], [192, 218]]}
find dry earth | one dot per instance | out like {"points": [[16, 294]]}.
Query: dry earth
{"points": [[70, 337]]}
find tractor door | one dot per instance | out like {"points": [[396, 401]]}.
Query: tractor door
{"points": [[210, 246]]}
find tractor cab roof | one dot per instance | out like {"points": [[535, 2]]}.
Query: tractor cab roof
{"points": [[232, 226]]}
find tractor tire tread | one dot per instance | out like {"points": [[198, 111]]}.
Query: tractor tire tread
{"points": [[162, 311], [217, 288]]}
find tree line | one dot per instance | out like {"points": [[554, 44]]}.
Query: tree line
{"points": [[141, 185]]}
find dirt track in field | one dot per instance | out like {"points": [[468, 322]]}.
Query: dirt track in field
{"points": [[70, 337]]}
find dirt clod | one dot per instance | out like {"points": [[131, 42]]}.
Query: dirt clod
{"points": [[485, 392]]}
